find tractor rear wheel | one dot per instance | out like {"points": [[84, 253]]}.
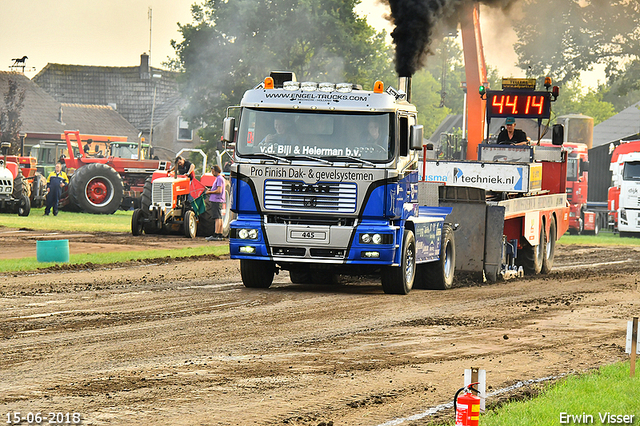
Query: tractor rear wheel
{"points": [[20, 193], [38, 191], [97, 188], [145, 199], [206, 224]]}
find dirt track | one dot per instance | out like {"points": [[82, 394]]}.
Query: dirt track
{"points": [[184, 343]]}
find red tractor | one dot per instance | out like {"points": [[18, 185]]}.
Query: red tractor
{"points": [[14, 195], [165, 207], [99, 185]]}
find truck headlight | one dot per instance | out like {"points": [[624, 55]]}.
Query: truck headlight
{"points": [[247, 234], [623, 214], [376, 238]]}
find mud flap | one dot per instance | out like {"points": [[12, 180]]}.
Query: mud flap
{"points": [[493, 242]]}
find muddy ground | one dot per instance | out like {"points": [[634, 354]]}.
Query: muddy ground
{"points": [[184, 343]]}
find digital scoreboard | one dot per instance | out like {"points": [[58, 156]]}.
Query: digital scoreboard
{"points": [[519, 104]]}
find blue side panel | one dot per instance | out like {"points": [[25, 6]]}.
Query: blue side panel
{"points": [[428, 237], [440, 212], [245, 199], [375, 205]]}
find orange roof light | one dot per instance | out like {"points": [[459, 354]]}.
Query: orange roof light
{"points": [[547, 82], [378, 87], [268, 83]]}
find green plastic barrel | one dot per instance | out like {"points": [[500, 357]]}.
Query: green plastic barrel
{"points": [[52, 251]]}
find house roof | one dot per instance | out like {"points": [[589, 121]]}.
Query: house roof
{"points": [[130, 90], [41, 113], [97, 120], [621, 126]]}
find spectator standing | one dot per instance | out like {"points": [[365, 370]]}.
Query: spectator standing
{"points": [[216, 198], [55, 182]]}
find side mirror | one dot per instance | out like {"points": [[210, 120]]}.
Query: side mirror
{"points": [[228, 129], [557, 137], [584, 165], [415, 138]]}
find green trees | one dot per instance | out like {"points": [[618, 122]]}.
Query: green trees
{"points": [[232, 45], [565, 37], [10, 122]]}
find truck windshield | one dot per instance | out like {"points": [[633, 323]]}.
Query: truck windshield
{"points": [[328, 135], [631, 171], [572, 167]]}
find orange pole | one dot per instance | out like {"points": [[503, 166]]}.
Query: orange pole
{"points": [[476, 74]]}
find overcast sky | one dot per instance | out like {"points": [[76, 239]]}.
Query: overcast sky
{"points": [[116, 32]]}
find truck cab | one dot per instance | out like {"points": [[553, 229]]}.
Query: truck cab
{"points": [[325, 182]]}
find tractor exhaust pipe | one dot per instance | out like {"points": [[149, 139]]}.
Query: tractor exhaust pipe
{"points": [[404, 84]]}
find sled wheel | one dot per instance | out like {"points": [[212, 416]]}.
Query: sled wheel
{"points": [[531, 257], [549, 248]]}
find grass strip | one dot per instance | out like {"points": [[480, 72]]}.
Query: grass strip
{"points": [[120, 221], [31, 263], [602, 239], [590, 398]]}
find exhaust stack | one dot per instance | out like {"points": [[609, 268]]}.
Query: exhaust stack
{"points": [[404, 84]]}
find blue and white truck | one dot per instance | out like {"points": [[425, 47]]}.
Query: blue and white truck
{"points": [[325, 182]]}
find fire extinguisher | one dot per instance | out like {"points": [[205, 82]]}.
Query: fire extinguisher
{"points": [[467, 407]]}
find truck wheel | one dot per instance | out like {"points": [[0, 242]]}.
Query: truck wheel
{"points": [[550, 248], [136, 222], [145, 198], [190, 224], [256, 273], [97, 189], [439, 275], [399, 279], [531, 257], [300, 276]]}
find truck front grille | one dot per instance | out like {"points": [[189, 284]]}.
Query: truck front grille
{"points": [[339, 197], [161, 193]]}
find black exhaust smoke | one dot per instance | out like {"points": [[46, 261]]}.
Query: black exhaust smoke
{"points": [[415, 21]]}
